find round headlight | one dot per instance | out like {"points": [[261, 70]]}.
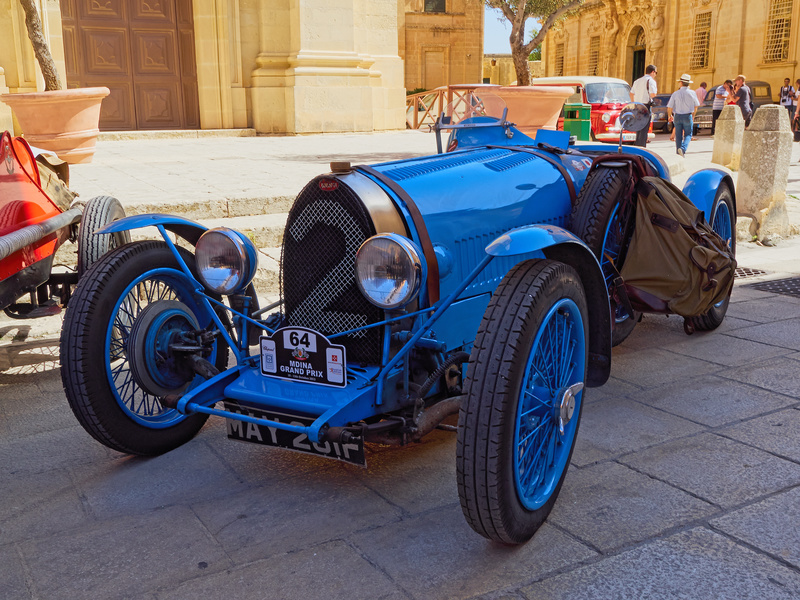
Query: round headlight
{"points": [[606, 117], [226, 260], [388, 270]]}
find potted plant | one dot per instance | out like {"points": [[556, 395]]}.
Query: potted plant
{"points": [[63, 121]]}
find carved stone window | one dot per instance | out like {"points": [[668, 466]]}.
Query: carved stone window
{"points": [[435, 6], [594, 55], [701, 42], [559, 62], [776, 44]]}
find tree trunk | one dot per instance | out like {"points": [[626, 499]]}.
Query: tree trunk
{"points": [[40, 49], [520, 57]]}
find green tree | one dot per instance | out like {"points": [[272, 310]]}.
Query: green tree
{"points": [[536, 53], [517, 12]]}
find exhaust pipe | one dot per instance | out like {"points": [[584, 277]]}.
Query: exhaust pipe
{"points": [[31, 234]]}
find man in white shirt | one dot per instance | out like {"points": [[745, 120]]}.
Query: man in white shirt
{"points": [[680, 110], [644, 90]]}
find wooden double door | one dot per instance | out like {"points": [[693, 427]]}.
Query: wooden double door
{"points": [[143, 51]]}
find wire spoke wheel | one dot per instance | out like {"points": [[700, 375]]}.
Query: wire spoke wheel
{"points": [[601, 221], [115, 348], [542, 437], [723, 224], [141, 406], [523, 400]]}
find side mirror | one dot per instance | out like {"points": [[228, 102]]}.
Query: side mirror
{"points": [[634, 117]]}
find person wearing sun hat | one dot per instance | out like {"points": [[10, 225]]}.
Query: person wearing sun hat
{"points": [[680, 111]]}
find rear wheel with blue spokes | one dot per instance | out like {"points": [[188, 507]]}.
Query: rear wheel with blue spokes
{"points": [[605, 223], [117, 364], [523, 399], [723, 222]]}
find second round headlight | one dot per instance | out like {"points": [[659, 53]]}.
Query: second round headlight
{"points": [[389, 270], [226, 260]]}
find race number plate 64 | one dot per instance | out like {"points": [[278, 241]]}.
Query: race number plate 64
{"points": [[301, 354]]}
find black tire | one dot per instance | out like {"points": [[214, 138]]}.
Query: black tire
{"points": [[498, 416], [723, 202], [597, 203], [95, 361], [99, 212]]}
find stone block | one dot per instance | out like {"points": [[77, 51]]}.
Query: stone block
{"points": [[728, 138], [764, 526], [611, 506], [691, 564], [6, 118], [764, 172]]}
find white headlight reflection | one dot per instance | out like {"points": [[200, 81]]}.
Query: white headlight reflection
{"points": [[225, 262], [388, 270]]}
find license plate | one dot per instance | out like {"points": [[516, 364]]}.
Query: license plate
{"points": [[351, 452], [628, 137], [301, 354]]}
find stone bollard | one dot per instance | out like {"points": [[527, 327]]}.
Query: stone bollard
{"points": [[728, 138], [764, 174]]}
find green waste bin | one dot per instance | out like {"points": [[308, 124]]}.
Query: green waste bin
{"points": [[578, 121]]}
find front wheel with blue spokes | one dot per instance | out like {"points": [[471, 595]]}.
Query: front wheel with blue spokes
{"points": [[523, 399], [723, 222], [116, 361]]}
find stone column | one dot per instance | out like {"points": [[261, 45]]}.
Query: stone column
{"points": [[728, 138], [6, 119], [764, 173]]}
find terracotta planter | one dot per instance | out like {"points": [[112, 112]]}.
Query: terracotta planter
{"points": [[64, 121]]}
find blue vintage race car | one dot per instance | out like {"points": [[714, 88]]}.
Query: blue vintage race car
{"points": [[475, 281]]}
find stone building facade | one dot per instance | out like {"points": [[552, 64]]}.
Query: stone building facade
{"points": [[442, 42], [499, 69], [711, 40], [280, 66]]}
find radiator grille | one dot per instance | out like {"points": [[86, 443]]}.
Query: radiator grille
{"points": [[326, 225]]}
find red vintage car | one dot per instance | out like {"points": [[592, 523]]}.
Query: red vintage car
{"points": [[38, 214]]}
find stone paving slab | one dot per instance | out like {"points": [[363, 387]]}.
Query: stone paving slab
{"points": [[778, 375], [617, 426], [688, 565], [714, 401], [263, 521], [654, 367], [437, 556], [120, 558], [609, 506], [716, 469], [777, 433], [769, 525], [335, 567]]}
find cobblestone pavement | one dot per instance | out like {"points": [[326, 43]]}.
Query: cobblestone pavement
{"points": [[685, 484]]}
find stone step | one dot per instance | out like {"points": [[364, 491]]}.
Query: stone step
{"points": [[265, 231], [198, 209]]}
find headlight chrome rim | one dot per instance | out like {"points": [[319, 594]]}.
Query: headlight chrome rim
{"points": [[410, 253], [243, 263]]}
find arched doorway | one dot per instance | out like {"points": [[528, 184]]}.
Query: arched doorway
{"points": [[636, 54]]}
